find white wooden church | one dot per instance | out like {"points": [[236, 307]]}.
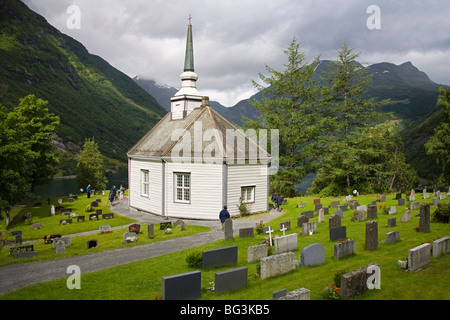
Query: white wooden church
{"points": [[185, 166]]}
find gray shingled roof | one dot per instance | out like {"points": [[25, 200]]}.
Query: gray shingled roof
{"points": [[161, 141]]}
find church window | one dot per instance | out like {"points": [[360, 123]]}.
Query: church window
{"points": [[183, 187], [145, 183], [248, 194]]}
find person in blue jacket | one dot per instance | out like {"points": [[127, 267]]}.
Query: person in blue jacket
{"points": [[224, 215], [88, 190]]}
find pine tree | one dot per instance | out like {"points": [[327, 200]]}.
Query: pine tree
{"points": [[439, 144], [347, 114], [290, 105]]}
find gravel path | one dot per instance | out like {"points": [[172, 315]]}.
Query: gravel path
{"points": [[23, 274]]}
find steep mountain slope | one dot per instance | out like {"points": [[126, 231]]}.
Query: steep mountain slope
{"points": [[92, 98]]}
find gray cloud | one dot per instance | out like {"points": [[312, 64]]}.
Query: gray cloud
{"points": [[233, 40]]}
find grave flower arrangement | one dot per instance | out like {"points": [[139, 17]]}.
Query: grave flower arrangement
{"points": [[259, 227], [332, 292]]}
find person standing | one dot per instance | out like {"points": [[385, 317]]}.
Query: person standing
{"points": [[224, 215], [88, 190]]}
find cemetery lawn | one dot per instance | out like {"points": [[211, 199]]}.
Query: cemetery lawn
{"points": [[51, 225], [143, 279]]}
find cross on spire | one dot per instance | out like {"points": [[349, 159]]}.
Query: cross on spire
{"points": [[190, 18]]}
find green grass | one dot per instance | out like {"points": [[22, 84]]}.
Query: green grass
{"points": [[429, 283], [51, 225]]}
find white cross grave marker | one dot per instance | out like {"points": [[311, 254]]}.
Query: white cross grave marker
{"points": [[270, 234], [283, 229]]}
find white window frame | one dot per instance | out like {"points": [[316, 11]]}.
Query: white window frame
{"points": [[184, 190], [145, 184], [245, 194]]}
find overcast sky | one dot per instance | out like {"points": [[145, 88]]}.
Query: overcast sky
{"points": [[235, 39]]}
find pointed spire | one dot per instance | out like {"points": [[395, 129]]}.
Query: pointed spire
{"points": [[189, 58]]}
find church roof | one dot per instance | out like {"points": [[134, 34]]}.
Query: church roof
{"points": [[200, 135]]}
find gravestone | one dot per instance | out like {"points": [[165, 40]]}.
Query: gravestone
{"points": [[436, 201], [424, 218], [279, 294], [383, 198], [181, 223], [60, 246], [372, 212], [246, 233], [92, 244], [104, 229], [441, 246], [371, 235], [255, 253], [316, 201], [301, 220], [344, 207], [184, 286], [226, 256], [135, 227], [339, 212], [129, 237], [107, 215], [442, 196], [150, 230], [392, 236], [308, 228], [93, 216], [52, 210], [415, 205], [37, 225], [309, 214], [334, 221], [299, 294], [228, 229], [335, 204], [285, 224], [426, 195], [231, 279], [94, 204], [317, 206], [277, 264], [286, 243], [99, 211], [355, 282], [326, 210], [393, 210], [344, 248], [301, 205], [406, 217], [419, 256], [391, 222], [398, 196], [65, 221], [312, 255], [80, 219], [401, 202], [338, 233], [67, 241], [321, 215], [362, 208], [18, 238], [359, 216]]}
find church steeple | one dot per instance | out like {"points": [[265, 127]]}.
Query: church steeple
{"points": [[189, 57], [187, 98]]}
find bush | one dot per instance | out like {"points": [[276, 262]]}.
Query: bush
{"points": [[442, 213], [194, 259]]}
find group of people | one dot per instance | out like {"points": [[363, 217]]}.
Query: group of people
{"points": [[277, 201], [113, 193]]}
